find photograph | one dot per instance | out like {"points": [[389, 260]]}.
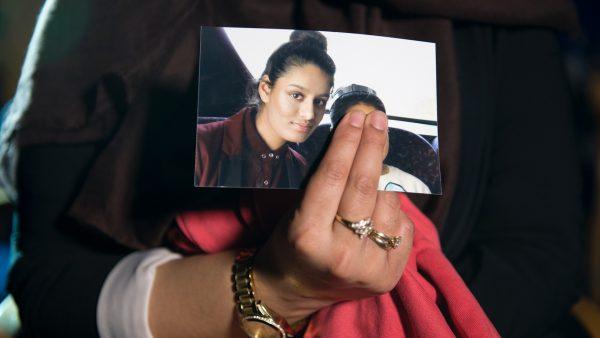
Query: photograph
{"points": [[269, 100]]}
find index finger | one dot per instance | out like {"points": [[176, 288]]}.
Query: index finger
{"points": [[325, 188]]}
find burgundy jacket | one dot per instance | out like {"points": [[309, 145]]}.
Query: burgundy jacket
{"points": [[223, 155]]}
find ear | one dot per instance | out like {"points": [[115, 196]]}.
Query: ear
{"points": [[264, 88]]}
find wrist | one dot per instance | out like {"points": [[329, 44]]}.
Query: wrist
{"points": [[283, 292], [256, 318]]}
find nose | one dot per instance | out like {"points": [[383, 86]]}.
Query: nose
{"points": [[307, 110]]}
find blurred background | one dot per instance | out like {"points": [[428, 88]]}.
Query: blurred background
{"points": [[582, 63], [17, 18]]}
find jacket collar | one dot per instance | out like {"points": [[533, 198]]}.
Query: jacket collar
{"points": [[244, 123]]}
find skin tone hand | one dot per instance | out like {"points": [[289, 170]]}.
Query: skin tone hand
{"points": [[309, 262], [315, 261]]}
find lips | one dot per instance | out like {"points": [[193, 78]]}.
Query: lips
{"points": [[302, 127]]}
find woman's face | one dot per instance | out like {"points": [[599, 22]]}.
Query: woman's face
{"points": [[294, 106]]}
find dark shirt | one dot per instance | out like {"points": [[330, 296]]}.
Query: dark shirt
{"points": [[266, 167], [231, 153]]}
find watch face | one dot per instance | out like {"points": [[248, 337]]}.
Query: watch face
{"points": [[258, 327]]}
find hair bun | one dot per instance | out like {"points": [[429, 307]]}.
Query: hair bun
{"points": [[312, 38]]}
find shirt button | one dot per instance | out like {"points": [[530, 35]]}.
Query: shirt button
{"points": [[271, 155], [276, 157], [263, 155], [266, 182]]}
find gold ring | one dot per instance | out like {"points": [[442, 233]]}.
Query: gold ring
{"points": [[384, 241], [362, 228]]}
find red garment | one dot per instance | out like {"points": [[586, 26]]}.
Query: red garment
{"points": [[430, 300], [232, 153]]}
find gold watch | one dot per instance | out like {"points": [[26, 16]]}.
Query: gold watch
{"points": [[256, 319]]}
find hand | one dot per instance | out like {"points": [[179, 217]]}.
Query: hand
{"points": [[314, 261]]}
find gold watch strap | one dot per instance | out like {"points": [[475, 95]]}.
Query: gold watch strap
{"points": [[243, 287], [247, 305]]}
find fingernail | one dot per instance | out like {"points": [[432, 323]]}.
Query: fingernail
{"points": [[378, 120], [357, 118]]}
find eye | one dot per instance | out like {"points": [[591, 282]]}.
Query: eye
{"points": [[296, 96], [321, 102]]}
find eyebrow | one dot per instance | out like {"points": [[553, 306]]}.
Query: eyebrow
{"points": [[299, 86]]}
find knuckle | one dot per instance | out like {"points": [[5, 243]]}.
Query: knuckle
{"points": [[335, 173], [384, 285], [391, 221], [390, 199], [365, 185], [408, 232], [303, 218], [340, 266], [399, 270], [302, 245], [302, 238], [410, 229]]}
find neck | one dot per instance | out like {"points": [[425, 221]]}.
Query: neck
{"points": [[266, 132]]}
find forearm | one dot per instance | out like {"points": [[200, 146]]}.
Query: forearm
{"points": [[192, 297]]}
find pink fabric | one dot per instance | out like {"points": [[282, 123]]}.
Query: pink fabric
{"points": [[430, 300]]}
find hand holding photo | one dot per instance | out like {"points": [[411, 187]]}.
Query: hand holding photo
{"points": [[357, 97], [267, 104]]}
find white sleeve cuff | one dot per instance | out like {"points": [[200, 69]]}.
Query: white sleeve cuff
{"points": [[124, 300]]}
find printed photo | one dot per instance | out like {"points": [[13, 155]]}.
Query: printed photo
{"points": [[269, 100]]}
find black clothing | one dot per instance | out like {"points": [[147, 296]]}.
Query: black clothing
{"points": [[514, 230], [510, 216]]}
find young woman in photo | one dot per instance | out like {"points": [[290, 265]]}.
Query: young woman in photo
{"points": [[362, 98], [252, 148]]}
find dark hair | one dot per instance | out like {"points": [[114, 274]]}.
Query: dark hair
{"points": [[348, 96], [304, 47]]}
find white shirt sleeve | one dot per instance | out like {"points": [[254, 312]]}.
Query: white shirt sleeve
{"points": [[124, 300]]}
